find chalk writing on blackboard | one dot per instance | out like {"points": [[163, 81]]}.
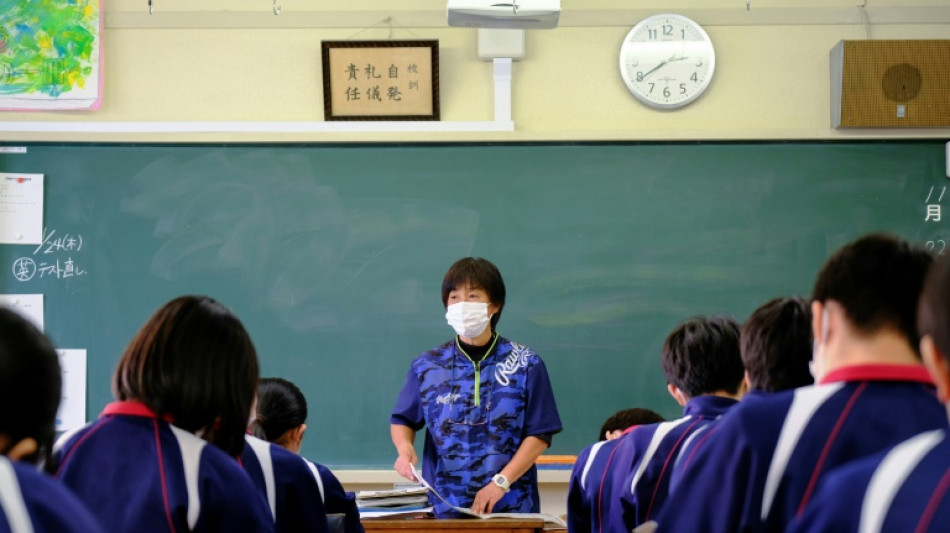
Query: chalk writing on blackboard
{"points": [[938, 246], [933, 214], [934, 210], [51, 263], [24, 269], [56, 243]]}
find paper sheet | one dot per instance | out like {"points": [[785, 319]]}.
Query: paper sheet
{"points": [[72, 406], [29, 306], [21, 208], [401, 513], [541, 516]]}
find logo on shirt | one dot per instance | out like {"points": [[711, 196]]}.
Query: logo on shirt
{"points": [[518, 358], [447, 398]]}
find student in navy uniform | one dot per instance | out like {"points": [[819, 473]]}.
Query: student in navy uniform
{"points": [[768, 456], [619, 422], [704, 373], [163, 457], [775, 343], [288, 485], [280, 418], [486, 403], [30, 382], [906, 488], [585, 496]]}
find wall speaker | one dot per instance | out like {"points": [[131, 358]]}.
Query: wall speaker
{"points": [[890, 84]]}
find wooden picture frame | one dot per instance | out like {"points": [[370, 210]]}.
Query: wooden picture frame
{"points": [[380, 80]]}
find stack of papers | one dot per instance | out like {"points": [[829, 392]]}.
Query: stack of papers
{"points": [[399, 499]]}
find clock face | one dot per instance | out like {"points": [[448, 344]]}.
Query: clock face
{"points": [[667, 61]]}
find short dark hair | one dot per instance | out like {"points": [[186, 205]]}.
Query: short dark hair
{"points": [[877, 279], [933, 317], [193, 361], [280, 406], [478, 273], [776, 345], [30, 382], [701, 356], [626, 418]]}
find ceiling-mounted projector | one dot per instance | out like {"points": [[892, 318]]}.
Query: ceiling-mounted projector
{"points": [[516, 14]]}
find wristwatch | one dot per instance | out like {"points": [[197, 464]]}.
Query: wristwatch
{"points": [[502, 482]]}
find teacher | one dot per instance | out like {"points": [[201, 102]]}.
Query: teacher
{"points": [[485, 401]]}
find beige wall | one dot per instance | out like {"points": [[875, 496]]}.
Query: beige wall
{"points": [[233, 60]]}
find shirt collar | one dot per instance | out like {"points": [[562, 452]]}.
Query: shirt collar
{"points": [[708, 405], [879, 372], [132, 408], [629, 429]]}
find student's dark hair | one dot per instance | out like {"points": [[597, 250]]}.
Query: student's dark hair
{"points": [[776, 345], [877, 279], [479, 273], [30, 382], [701, 356], [280, 406], [626, 418], [193, 361], [933, 317]]}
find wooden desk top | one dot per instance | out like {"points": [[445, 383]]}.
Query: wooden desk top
{"points": [[488, 525]]}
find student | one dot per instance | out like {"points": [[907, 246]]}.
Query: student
{"points": [[768, 456], [704, 374], [30, 382], [586, 490], [619, 422], [281, 419], [904, 488], [775, 343], [287, 484], [162, 457], [485, 401], [776, 347]]}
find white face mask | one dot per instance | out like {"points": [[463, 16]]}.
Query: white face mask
{"points": [[468, 319]]}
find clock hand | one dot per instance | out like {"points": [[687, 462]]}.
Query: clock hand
{"points": [[662, 63], [654, 69]]}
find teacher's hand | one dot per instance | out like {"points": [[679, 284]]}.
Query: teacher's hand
{"points": [[407, 458], [486, 498]]}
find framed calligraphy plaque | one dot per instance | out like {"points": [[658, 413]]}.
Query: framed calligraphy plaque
{"points": [[381, 80]]}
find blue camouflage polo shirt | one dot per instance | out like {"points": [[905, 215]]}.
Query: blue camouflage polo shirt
{"points": [[476, 415]]}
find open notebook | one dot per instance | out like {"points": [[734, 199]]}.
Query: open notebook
{"points": [[548, 519]]}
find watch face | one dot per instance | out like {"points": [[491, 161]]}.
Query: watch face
{"points": [[667, 61]]}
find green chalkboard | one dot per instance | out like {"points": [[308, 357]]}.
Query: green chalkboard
{"points": [[333, 254]]}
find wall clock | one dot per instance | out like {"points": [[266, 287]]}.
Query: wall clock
{"points": [[667, 61]]}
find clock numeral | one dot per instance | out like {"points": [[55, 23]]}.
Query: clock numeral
{"points": [[653, 33], [652, 85], [639, 76], [694, 78], [682, 88], [666, 91]]}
